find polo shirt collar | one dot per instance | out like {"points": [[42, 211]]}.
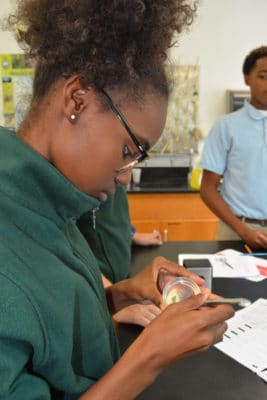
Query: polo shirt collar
{"points": [[252, 111]]}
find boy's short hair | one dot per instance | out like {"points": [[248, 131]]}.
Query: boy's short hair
{"points": [[252, 57]]}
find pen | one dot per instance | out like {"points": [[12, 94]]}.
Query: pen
{"points": [[256, 254], [225, 262], [240, 301], [248, 249], [228, 265]]}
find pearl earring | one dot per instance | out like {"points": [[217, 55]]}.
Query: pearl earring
{"points": [[73, 117]]}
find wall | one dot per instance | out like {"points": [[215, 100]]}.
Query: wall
{"points": [[221, 36], [224, 32], [8, 43]]}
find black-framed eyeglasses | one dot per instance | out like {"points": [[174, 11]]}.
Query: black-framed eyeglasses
{"points": [[142, 152]]}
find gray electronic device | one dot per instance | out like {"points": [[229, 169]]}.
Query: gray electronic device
{"points": [[201, 267]]}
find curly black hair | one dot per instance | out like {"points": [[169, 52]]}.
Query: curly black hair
{"points": [[108, 43], [252, 57]]}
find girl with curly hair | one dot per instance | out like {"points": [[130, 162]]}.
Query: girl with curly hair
{"points": [[99, 103]]}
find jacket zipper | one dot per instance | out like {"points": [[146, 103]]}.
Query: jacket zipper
{"points": [[94, 211]]}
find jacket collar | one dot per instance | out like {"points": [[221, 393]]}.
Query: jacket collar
{"points": [[29, 179]]}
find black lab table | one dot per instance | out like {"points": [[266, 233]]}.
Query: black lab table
{"points": [[210, 375]]}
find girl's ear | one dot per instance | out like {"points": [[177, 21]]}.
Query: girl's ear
{"points": [[76, 97]]}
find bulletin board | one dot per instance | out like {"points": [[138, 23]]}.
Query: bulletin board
{"points": [[16, 78], [181, 131]]}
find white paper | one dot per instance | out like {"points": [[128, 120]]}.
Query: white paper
{"points": [[227, 264], [246, 338]]}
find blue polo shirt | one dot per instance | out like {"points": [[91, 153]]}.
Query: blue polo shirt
{"points": [[236, 148]]}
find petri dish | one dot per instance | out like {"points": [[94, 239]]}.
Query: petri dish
{"points": [[179, 289]]}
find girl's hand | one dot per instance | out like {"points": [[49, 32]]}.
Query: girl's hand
{"points": [[147, 239], [139, 314], [181, 330], [148, 284]]}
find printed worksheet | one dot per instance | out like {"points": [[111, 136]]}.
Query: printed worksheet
{"points": [[246, 338]]}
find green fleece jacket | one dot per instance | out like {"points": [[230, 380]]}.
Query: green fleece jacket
{"points": [[108, 232], [56, 334]]}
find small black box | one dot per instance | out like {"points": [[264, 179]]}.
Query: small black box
{"points": [[201, 267]]}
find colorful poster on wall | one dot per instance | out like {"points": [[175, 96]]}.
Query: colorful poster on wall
{"points": [[16, 75]]}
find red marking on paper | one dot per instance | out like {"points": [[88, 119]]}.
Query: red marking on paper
{"points": [[262, 270]]}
